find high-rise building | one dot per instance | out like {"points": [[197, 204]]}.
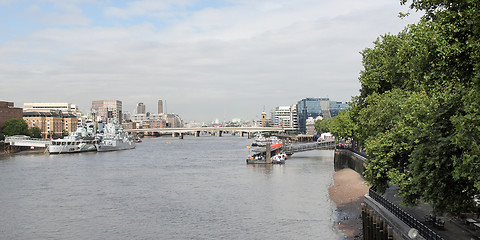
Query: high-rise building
{"points": [[160, 106], [107, 110], [141, 108]]}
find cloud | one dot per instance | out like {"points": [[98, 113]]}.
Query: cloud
{"points": [[63, 14], [146, 8], [228, 60]]}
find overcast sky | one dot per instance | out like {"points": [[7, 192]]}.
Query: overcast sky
{"points": [[207, 59]]}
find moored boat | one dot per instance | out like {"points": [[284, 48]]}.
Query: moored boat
{"points": [[114, 138], [82, 140], [259, 156]]}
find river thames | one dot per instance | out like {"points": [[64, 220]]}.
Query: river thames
{"points": [[195, 188]]}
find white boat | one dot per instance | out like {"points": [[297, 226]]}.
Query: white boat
{"points": [[114, 138], [82, 140]]}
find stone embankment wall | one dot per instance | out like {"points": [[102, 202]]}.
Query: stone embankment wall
{"points": [[378, 222], [345, 158]]}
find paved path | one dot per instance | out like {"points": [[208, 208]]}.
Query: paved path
{"points": [[455, 229]]}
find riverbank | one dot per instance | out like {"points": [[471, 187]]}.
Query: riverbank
{"points": [[347, 193]]}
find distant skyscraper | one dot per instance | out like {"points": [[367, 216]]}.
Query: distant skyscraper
{"points": [[140, 108], [160, 106]]}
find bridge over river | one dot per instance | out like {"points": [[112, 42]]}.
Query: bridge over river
{"points": [[214, 130]]}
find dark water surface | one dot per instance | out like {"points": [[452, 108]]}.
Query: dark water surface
{"points": [[195, 188]]}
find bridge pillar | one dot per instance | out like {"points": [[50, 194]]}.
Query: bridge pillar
{"points": [[174, 134], [249, 135], [219, 133], [180, 135], [197, 134]]}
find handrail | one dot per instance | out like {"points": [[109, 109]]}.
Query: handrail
{"points": [[8, 139], [412, 222]]}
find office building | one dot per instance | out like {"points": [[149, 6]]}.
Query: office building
{"points": [[285, 117], [336, 107], [107, 110], [312, 108], [49, 107]]}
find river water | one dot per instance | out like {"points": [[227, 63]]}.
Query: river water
{"points": [[166, 188]]}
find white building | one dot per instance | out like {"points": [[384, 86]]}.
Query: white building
{"points": [[285, 117], [48, 107]]}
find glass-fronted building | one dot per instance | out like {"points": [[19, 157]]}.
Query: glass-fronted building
{"points": [[336, 107], [317, 107]]}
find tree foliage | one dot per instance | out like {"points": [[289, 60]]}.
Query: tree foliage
{"points": [[418, 114], [323, 125], [35, 132], [15, 126]]}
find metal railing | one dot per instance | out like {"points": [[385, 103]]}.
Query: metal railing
{"points": [[27, 141], [309, 146], [412, 222]]}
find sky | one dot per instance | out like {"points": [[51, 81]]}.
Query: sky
{"points": [[207, 60]]}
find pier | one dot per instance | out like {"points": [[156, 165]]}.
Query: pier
{"points": [[302, 147], [24, 141], [20, 143]]}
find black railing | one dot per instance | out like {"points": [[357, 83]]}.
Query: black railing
{"points": [[412, 222]]}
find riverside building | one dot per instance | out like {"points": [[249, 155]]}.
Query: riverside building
{"points": [[285, 117], [295, 117], [52, 123], [48, 107], [8, 111], [317, 107]]}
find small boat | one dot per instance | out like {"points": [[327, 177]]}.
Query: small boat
{"points": [[259, 156], [262, 141], [279, 158]]}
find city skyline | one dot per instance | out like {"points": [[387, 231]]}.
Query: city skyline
{"points": [[222, 59]]}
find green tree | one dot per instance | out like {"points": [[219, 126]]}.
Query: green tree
{"points": [[15, 126], [35, 132], [418, 114], [323, 125]]}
